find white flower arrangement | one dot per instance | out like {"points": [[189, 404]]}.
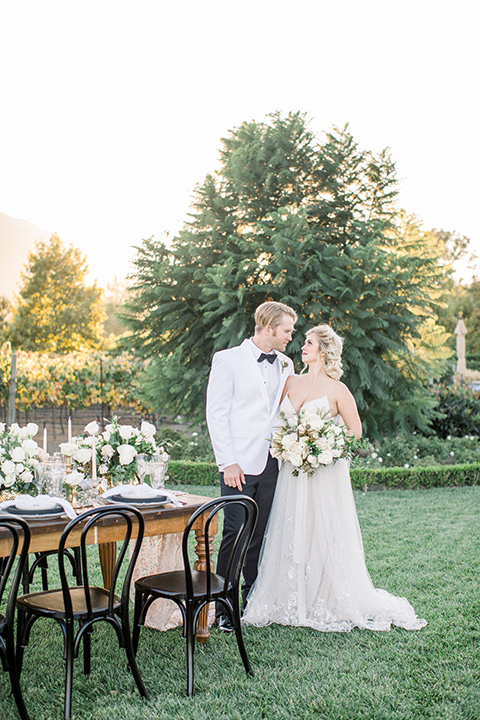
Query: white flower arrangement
{"points": [[18, 457], [115, 451], [310, 439]]}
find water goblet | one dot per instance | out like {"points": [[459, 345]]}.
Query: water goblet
{"points": [[54, 476], [142, 467], [157, 470]]}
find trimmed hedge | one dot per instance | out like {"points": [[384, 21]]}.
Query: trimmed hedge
{"points": [[186, 472], [416, 477], [202, 473]]}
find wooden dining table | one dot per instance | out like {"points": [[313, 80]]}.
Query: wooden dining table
{"points": [[45, 536]]}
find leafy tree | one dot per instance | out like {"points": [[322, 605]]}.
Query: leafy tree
{"points": [[56, 311], [5, 309], [311, 224]]}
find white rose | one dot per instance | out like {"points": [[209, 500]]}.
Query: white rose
{"points": [[289, 441], [8, 467], [30, 446], [326, 457], [107, 451], [18, 455], [323, 443], [9, 481], [295, 459], [315, 422], [15, 428], [103, 469], [74, 478], [107, 434], [32, 429], [126, 431], [2, 427], [148, 429], [19, 468], [83, 455], [68, 449], [313, 461], [92, 428], [126, 453], [26, 476]]}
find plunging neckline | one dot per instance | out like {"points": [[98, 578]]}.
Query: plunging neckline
{"points": [[297, 412]]}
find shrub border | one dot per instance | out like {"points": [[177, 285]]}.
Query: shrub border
{"points": [[202, 473]]}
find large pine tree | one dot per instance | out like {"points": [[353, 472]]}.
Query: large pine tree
{"points": [[311, 224]]}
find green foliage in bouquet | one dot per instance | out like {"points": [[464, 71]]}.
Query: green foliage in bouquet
{"points": [[310, 439]]}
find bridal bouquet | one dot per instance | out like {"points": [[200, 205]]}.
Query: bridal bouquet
{"points": [[309, 439], [18, 451], [111, 454]]}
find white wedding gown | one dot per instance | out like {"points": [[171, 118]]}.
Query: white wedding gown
{"points": [[312, 568]]}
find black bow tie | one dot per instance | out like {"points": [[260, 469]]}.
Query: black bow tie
{"points": [[271, 358]]}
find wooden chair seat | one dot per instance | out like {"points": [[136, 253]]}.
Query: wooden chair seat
{"points": [[173, 584], [51, 603]]}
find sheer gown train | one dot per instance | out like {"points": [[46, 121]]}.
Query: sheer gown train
{"points": [[312, 569]]}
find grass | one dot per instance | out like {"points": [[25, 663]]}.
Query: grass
{"points": [[424, 544]]}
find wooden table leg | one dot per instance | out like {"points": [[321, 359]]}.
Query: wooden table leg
{"points": [[201, 564], [107, 553]]}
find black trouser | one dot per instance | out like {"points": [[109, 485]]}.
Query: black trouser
{"points": [[262, 489]]}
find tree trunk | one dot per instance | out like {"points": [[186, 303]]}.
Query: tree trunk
{"points": [[12, 390]]}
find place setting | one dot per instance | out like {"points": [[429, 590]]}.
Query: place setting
{"points": [[150, 494], [50, 503]]}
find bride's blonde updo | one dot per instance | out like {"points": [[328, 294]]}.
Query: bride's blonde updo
{"points": [[331, 344]]}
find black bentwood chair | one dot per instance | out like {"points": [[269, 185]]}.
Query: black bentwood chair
{"points": [[84, 603], [191, 589], [41, 563], [18, 530]]}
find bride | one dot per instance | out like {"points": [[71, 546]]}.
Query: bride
{"points": [[312, 568]]}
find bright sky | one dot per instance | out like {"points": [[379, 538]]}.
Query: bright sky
{"points": [[112, 111]]}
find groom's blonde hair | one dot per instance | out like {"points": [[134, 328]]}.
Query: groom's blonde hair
{"points": [[271, 313]]}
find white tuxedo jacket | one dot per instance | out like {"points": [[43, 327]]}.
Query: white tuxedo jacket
{"points": [[239, 418]]}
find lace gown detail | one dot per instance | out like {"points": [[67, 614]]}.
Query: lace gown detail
{"points": [[312, 568]]}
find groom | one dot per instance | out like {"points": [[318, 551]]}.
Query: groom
{"points": [[243, 397]]}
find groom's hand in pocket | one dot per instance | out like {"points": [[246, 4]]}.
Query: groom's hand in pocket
{"points": [[233, 477]]}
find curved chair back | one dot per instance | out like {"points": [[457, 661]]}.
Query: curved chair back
{"points": [[19, 533], [88, 522], [240, 546]]}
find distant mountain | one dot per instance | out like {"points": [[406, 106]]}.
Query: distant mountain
{"points": [[17, 239]]}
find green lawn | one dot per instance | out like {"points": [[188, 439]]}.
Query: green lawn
{"points": [[421, 544]]}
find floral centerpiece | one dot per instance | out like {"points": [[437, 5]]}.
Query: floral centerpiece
{"points": [[310, 439], [111, 454], [18, 458]]}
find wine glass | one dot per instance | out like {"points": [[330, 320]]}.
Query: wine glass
{"points": [[142, 467], [157, 470], [54, 473]]}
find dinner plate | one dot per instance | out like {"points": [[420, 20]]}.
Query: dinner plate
{"points": [[55, 511], [142, 501]]}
